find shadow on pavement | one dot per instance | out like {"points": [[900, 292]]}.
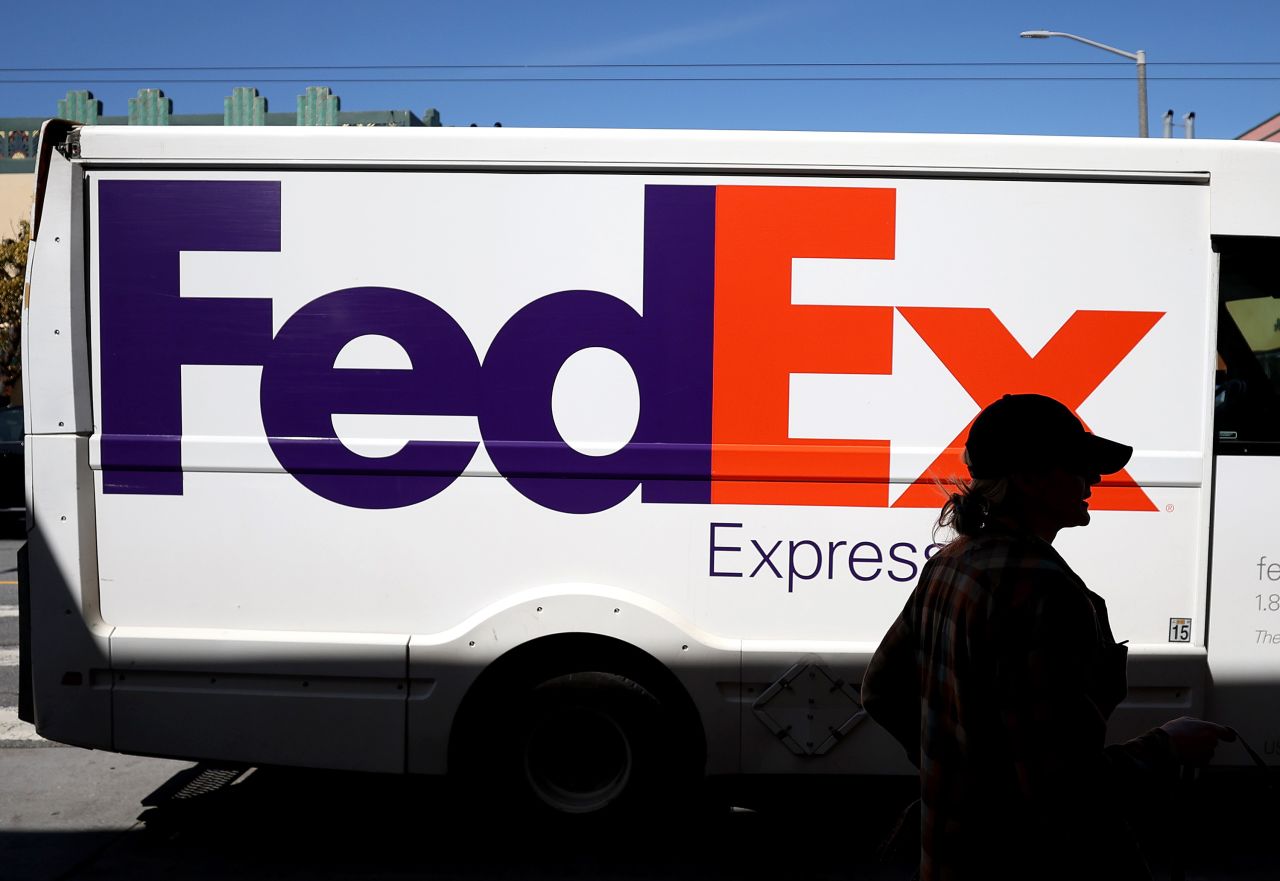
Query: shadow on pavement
{"points": [[13, 527], [210, 822], [282, 823], [277, 823]]}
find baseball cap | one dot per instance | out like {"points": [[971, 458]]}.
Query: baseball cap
{"points": [[1031, 432]]}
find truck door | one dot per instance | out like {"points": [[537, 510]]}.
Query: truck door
{"points": [[1244, 581]]}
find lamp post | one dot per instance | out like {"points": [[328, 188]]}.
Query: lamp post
{"points": [[1140, 57]]}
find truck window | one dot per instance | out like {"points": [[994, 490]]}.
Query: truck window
{"points": [[1246, 404]]}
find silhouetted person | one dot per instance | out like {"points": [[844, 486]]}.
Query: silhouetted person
{"points": [[1000, 673]]}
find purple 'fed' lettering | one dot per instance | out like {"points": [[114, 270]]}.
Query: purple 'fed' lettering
{"points": [[668, 348], [148, 330], [302, 389]]}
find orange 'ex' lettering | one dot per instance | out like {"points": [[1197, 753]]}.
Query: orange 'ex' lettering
{"points": [[761, 338]]}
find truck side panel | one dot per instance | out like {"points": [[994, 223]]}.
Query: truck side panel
{"points": [[515, 315]]}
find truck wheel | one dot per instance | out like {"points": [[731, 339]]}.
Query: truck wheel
{"points": [[591, 743], [540, 732]]}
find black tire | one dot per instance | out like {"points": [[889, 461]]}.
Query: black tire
{"points": [[585, 744], [589, 744]]}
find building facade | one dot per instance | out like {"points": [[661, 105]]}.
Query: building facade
{"points": [[20, 136], [1268, 130]]}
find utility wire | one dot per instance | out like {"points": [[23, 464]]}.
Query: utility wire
{"points": [[659, 79], [694, 66]]}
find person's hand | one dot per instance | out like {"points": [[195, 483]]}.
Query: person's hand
{"points": [[1194, 740]]}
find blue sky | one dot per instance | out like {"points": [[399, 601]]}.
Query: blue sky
{"points": [[611, 32]]}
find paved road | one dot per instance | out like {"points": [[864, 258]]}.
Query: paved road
{"points": [[76, 815], [290, 825]]}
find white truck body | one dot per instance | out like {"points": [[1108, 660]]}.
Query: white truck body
{"points": [[323, 423]]}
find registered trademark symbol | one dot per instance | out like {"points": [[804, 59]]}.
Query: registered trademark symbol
{"points": [[1169, 508]]}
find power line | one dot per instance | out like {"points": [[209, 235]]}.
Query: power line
{"points": [[612, 79], [665, 66]]}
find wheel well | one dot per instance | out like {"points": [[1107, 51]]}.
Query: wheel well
{"points": [[547, 657]]}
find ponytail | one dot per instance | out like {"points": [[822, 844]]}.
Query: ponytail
{"points": [[969, 507]]}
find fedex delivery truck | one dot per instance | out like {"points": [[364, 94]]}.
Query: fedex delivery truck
{"points": [[600, 461]]}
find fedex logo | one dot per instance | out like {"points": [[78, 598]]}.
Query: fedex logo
{"points": [[713, 350]]}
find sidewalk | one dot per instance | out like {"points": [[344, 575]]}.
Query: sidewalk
{"points": [[63, 805]]}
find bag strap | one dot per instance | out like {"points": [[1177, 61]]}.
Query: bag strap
{"points": [[1257, 759]]}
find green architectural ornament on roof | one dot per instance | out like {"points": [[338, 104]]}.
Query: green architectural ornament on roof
{"points": [[318, 107], [151, 107], [244, 106], [80, 106]]}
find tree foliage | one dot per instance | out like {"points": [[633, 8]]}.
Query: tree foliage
{"points": [[13, 269]]}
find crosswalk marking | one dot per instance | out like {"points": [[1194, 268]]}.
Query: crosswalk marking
{"points": [[8, 611], [8, 657], [13, 728]]}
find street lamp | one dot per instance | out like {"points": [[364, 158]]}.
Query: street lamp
{"points": [[1140, 57]]}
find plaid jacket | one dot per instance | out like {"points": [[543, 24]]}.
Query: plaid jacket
{"points": [[998, 678]]}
